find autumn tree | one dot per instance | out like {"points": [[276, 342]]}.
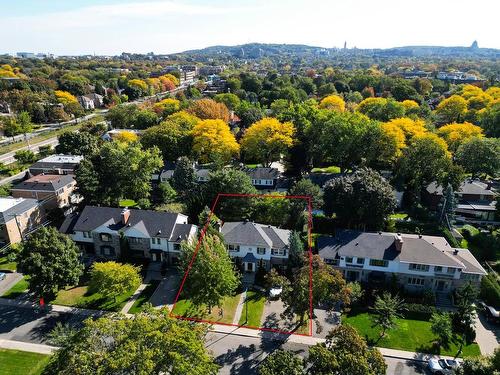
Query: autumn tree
{"points": [[126, 136], [480, 156], [455, 134], [451, 109], [214, 142], [65, 97], [167, 107], [363, 199], [345, 352], [267, 139], [111, 279], [212, 276], [333, 102], [209, 109]]}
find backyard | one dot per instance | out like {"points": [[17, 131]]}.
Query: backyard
{"points": [[411, 335], [15, 362]]}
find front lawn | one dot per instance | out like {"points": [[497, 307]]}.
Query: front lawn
{"points": [[411, 335], [254, 304], [19, 288], [330, 169], [15, 362], [185, 308], [127, 203], [398, 216], [6, 265], [79, 296], [144, 297]]}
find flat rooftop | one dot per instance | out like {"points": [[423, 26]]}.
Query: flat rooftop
{"points": [[62, 159]]}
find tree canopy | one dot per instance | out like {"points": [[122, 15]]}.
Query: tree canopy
{"points": [[214, 142]]}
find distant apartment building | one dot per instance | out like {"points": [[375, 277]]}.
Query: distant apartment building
{"points": [[56, 164], [458, 77], [208, 70], [18, 216]]}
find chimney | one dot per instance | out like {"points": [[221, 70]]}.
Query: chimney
{"points": [[125, 215], [398, 242]]}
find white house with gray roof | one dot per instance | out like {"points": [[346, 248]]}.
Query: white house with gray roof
{"points": [[256, 245], [419, 262], [104, 231]]}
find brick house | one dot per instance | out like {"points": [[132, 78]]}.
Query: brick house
{"points": [[18, 216]]}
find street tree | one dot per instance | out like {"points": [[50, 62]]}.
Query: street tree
{"points": [[214, 142], [441, 327], [25, 157], [148, 343], [363, 199], [266, 140], [480, 156], [51, 260], [281, 362], [20, 124], [345, 352], [386, 310], [212, 275], [111, 279]]}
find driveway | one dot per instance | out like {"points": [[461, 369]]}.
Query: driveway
{"points": [[167, 290], [324, 322], [487, 335], [10, 280], [271, 316]]}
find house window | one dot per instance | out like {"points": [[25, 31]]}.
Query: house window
{"points": [[418, 267], [177, 246], [233, 247], [348, 259], [134, 240], [438, 269], [281, 252], [105, 237], [261, 263], [379, 263], [261, 250], [360, 261], [451, 270], [416, 281], [332, 262], [87, 235], [107, 250], [156, 241]]}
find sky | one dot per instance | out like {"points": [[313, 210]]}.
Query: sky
{"points": [[110, 27]]}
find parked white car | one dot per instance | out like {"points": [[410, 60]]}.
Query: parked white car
{"points": [[442, 366], [2, 276]]}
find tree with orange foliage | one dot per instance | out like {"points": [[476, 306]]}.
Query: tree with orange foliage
{"points": [[214, 142], [208, 109], [456, 134], [267, 139], [333, 102]]}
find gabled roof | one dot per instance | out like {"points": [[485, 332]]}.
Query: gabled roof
{"points": [[10, 207], [151, 223], [254, 234], [45, 182], [469, 187], [261, 173]]}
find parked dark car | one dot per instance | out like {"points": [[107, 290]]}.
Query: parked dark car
{"points": [[492, 315]]}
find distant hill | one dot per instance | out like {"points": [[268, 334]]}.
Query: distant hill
{"points": [[257, 50]]}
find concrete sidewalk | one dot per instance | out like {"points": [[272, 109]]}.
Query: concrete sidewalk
{"points": [[27, 347], [132, 299]]}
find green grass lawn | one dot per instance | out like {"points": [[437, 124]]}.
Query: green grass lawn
{"points": [[144, 297], [127, 203], [19, 288], [6, 265], [255, 304], [79, 296], [398, 216], [15, 362], [411, 335], [185, 308], [252, 165], [330, 169]]}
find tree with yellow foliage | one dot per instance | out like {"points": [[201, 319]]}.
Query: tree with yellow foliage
{"points": [[208, 109], [333, 102], [65, 97], [410, 104], [138, 83], [455, 134], [126, 137], [171, 78], [494, 92], [214, 142], [6, 71], [267, 139], [167, 106], [393, 135], [451, 109]]}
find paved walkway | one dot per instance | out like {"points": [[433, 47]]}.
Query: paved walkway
{"points": [[239, 308], [132, 299], [10, 280], [27, 347], [487, 335]]}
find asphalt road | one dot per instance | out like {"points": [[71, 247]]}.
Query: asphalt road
{"points": [[8, 157]]}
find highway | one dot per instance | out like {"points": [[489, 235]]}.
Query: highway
{"points": [[8, 157]]}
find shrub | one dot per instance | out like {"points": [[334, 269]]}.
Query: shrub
{"points": [[490, 290]]}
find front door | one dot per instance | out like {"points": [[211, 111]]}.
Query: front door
{"points": [[440, 285], [249, 267]]}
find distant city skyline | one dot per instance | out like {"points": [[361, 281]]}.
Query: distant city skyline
{"points": [[110, 27]]}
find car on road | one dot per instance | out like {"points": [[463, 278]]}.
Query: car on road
{"points": [[442, 366], [492, 314], [2, 276]]}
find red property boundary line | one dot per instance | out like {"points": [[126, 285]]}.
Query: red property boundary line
{"points": [[202, 234]]}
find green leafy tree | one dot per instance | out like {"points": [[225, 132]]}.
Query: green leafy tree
{"points": [[483, 365], [172, 140], [345, 352], [466, 314], [51, 260], [21, 124], [112, 279], [356, 292], [362, 199], [149, 343], [167, 193], [230, 100], [272, 211], [296, 250], [299, 206], [184, 178], [281, 362], [490, 120], [386, 310], [480, 156], [441, 327], [212, 276], [122, 116], [25, 156], [81, 143], [118, 171]]}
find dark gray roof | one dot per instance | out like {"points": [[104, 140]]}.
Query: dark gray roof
{"points": [[469, 261], [469, 187], [152, 223], [416, 249], [181, 232], [249, 258], [16, 206], [261, 173], [66, 162], [254, 234], [45, 182], [321, 179]]}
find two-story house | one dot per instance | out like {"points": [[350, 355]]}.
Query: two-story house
{"points": [[18, 216], [108, 232], [263, 178], [419, 262], [56, 164], [256, 245]]}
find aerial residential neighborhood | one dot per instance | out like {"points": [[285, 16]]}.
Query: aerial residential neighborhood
{"points": [[262, 188]]}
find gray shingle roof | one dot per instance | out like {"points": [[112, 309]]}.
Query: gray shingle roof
{"points": [[261, 173], [470, 262], [21, 206], [254, 234], [151, 223], [469, 187], [44, 183]]}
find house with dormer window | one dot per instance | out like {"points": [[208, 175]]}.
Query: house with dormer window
{"points": [[107, 232], [254, 245]]}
